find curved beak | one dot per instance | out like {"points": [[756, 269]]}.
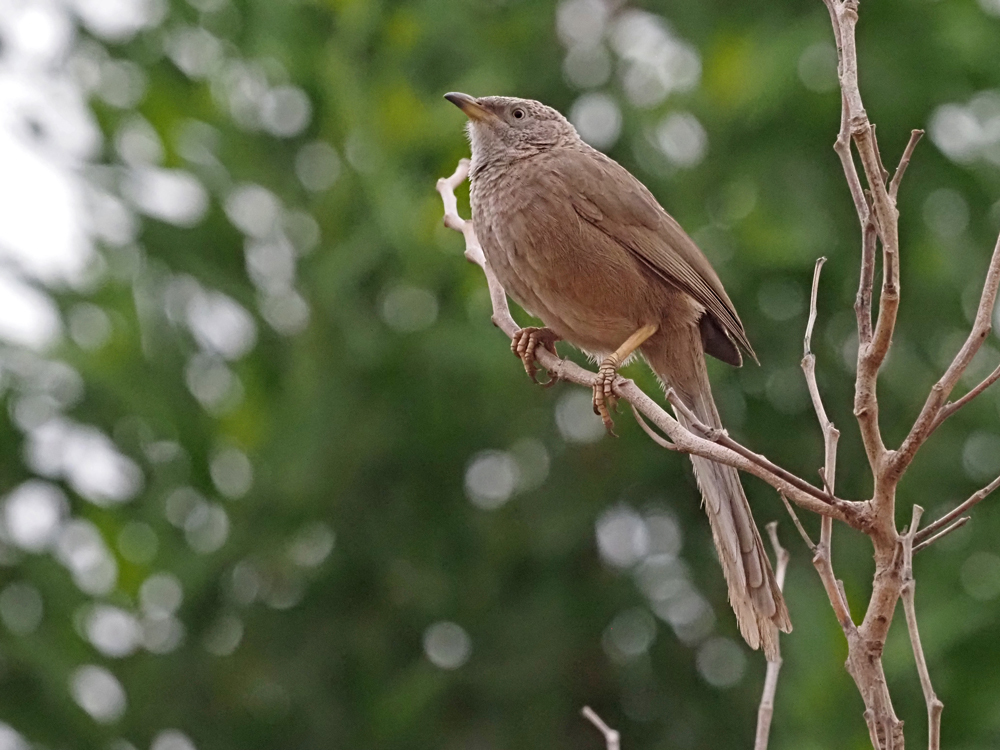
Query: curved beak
{"points": [[472, 109]]}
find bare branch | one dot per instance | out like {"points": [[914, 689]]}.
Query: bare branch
{"points": [[473, 250], [882, 213], [611, 736], [446, 189], [878, 153], [944, 532], [719, 447], [830, 433], [904, 162], [871, 355], [842, 146], [798, 524], [833, 587], [888, 306], [807, 340], [876, 209], [863, 302], [854, 122], [720, 436], [929, 417], [781, 556], [766, 711], [822, 553], [952, 406], [723, 449], [934, 705], [947, 518], [878, 219]]}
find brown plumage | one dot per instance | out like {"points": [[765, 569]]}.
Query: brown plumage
{"points": [[579, 242]]}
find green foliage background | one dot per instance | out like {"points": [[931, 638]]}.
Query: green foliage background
{"points": [[370, 430]]}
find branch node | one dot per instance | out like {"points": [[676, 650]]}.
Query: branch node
{"points": [[904, 162]]}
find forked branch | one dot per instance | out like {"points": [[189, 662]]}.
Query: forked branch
{"points": [[935, 409], [928, 534], [904, 162]]}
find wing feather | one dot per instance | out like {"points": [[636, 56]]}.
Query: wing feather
{"points": [[607, 196]]}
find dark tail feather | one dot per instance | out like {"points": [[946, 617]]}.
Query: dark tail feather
{"points": [[753, 591]]}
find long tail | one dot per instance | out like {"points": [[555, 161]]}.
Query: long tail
{"points": [[753, 591]]}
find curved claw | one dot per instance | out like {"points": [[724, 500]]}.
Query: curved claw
{"points": [[524, 344], [604, 394]]}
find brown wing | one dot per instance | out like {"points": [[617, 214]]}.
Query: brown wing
{"points": [[611, 199]]}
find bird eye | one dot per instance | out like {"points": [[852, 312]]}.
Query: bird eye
{"points": [[518, 114]]}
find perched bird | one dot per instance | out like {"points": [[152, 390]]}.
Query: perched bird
{"points": [[581, 244]]}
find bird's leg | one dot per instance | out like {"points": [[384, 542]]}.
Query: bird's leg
{"points": [[526, 341], [604, 387]]}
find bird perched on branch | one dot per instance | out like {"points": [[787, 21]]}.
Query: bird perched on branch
{"points": [[581, 244]]}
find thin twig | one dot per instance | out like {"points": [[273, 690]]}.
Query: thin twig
{"points": [[830, 433], [720, 436], [976, 498], [934, 705], [826, 545], [798, 524], [654, 436], [781, 555], [930, 415], [823, 552], [502, 318], [834, 589], [863, 301], [731, 453], [882, 214], [904, 162], [766, 711], [952, 406], [873, 344], [807, 339], [944, 532], [842, 146], [611, 736], [878, 153]]}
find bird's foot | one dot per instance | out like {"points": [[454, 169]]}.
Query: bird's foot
{"points": [[526, 342], [604, 393]]}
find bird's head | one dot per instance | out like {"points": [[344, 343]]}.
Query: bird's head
{"points": [[502, 127]]}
